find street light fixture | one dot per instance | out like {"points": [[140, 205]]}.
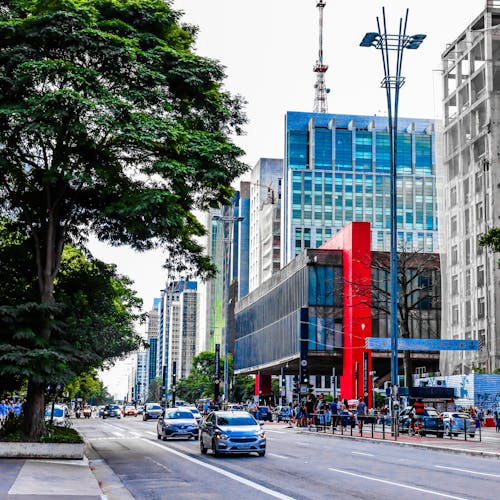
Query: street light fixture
{"points": [[394, 44]]}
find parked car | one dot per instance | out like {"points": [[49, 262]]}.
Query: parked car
{"points": [[60, 416], [195, 412], [151, 410], [112, 410], [130, 410], [140, 409], [264, 413], [176, 422], [431, 421], [232, 432], [282, 413], [455, 423]]}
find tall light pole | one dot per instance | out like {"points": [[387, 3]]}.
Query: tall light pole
{"points": [[393, 44], [228, 224]]}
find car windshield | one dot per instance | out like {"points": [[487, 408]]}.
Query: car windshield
{"points": [[114, 407], [130, 407], [236, 420], [153, 407], [178, 414], [460, 415]]}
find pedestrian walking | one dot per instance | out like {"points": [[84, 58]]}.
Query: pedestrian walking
{"points": [[497, 418], [361, 411]]}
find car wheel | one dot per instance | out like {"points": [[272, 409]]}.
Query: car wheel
{"points": [[196, 437], [215, 450], [202, 448], [262, 453], [472, 435], [144, 418], [440, 434], [164, 437]]}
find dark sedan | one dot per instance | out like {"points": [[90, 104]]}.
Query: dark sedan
{"points": [[151, 410], [431, 422], [176, 422]]}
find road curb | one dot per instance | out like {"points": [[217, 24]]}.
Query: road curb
{"points": [[458, 451], [108, 481]]}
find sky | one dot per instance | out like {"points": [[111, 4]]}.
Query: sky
{"points": [[269, 48]]}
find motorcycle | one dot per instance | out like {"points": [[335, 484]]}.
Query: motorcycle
{"points": [[77, 413], [87, 412]]}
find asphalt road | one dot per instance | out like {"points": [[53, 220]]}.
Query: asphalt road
{"points": [[299, 466]]}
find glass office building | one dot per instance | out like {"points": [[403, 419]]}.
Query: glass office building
{"points": [[337, 170]]}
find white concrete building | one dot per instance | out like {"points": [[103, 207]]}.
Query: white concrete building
{"points": [[470, 192]]}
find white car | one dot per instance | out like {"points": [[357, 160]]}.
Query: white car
{"points": [[195, 412], [60, 415]]}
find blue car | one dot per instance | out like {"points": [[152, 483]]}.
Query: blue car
{"points": [[455, 423], [263, 413]]}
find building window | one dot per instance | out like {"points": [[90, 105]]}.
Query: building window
{"points": [[343, 150], [467, 251], [454, 225], [480, 308], [403, 154], [322, 149], [467, 221], [480, 276], [423, 154], [382, 153], [363, 143], [297, 148], [468, 282], [454, 315], [468, 314], [479, 212], [466, 191], [454, 255], [453, 196], [454, 284]]}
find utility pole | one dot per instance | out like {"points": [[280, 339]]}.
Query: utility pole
{"points": [[174, 381]]}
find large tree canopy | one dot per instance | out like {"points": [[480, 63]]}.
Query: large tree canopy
{"points": [[109, 123]]}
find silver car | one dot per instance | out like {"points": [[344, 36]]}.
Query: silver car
{"points": [[232, 432], [176, 422]]}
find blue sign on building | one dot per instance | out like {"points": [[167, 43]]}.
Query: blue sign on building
{"points": [[404, 344]]}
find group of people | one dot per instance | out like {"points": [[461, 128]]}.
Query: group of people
{"points": [[9, 406], [335, 413]]}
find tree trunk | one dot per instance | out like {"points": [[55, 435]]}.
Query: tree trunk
{"points": [[34, 410]]}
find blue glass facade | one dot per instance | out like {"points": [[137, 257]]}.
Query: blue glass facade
{"points": [[244, 241], [338, 171]]}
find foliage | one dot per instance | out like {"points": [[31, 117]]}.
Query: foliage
{"points": [[110, 124], [155, 389], [491, 239], [88, 387], [200, 383], [12, 432], [92, 320]]}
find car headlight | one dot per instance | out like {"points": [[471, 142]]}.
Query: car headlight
{"points": [[261, 435], [220, 435]]}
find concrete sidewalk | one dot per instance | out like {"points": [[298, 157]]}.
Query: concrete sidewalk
{"points": [[48, 480], [489, 446]]}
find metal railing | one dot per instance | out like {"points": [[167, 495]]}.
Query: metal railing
{"points": [[387, 427]]}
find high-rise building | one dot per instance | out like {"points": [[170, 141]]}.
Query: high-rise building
{"points": [[178, 328], [471, 195], [265, 192], [152, 338], [337, 170], [141, 376], [244, 239]]}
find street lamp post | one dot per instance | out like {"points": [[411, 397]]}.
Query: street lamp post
{"points": [[228, 224], [392, 83]]}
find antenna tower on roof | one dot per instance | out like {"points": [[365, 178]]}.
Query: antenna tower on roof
{"points": [[320, 102]]}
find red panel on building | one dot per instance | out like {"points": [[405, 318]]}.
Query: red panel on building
{"points": [[354, 241]]}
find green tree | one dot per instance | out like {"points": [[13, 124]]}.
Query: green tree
{"points": [[109, 123], [92, 320], [155, 389], [491, 239]]}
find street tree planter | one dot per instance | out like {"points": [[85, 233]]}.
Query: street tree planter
{"points": [[42, 450]]}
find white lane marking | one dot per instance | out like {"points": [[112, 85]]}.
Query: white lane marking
{"points": [[277, 456], [361, 453], [223, 472], [407, 486], [276, 432], [467, 470]]}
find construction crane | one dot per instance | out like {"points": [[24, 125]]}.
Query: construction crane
{"points": [[320, 102]]}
